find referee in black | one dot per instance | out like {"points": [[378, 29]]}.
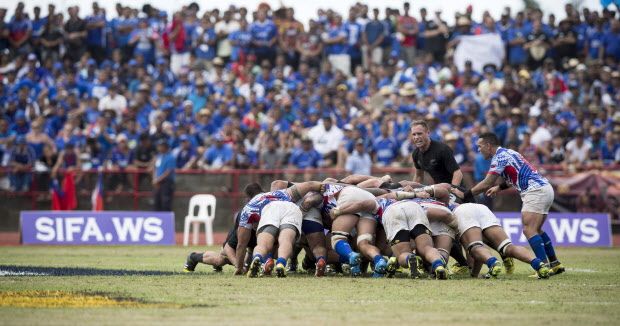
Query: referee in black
{"points": [[433, 157], [437, 159]]}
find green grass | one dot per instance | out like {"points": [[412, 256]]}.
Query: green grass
{"points": [[586, 295]]}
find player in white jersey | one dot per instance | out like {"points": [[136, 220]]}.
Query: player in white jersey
{"points": [[275, 216], [536, 193], [477, 222], [334, 195]]}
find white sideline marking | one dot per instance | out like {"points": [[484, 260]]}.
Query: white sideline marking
{"points": [[581, 270], [26, 273]]}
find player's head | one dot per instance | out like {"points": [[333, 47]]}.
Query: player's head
{"points": [[487, 144], [420, 134], [253, 189]]}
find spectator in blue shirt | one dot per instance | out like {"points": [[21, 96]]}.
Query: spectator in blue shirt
{"points": [[385, 147], [240, 41], [264, 37], [163, 177], [305, 157], [373, 36], [21, 161], [611, 42], [359, 161], [336, 40], [354, 34], [219, 155], [96, 33], [185, 154]]}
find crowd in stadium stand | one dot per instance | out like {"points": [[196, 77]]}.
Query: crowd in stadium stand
{"points": [[255, 88]]}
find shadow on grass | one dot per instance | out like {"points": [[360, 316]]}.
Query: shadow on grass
{"points": [[12, 270]]}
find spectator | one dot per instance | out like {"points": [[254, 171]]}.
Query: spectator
{"points": [[163, 178], [372, 38], [219, 155], [272, 156], [223, 29], [305, 157], [95, 36], [325, 138], [21, 161], [264, 37], [75, 33], [385, 148], [185, 154], [242, 158], [20, 32], [359, 161], [577, 150], [336, 40], [408, 27]]}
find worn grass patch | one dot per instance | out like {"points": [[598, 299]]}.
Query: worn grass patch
{"points": [[64, 299]]}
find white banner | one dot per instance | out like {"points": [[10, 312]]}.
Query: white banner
{"points": [[480, 50]]}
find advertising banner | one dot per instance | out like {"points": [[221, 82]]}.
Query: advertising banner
{"points": [[480, 50], [97, 228], [564, 229]]}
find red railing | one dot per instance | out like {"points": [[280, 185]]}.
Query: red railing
{"points": [[233, 190]]}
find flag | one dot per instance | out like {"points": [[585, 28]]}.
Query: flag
{"points": [[57, 195], [64, 197], [96, 198], [68, 188]]}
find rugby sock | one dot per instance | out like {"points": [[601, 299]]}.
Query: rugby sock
{"points": [[548, 247], [536, 242], [262, 260], [196, 257], [343, 248], [321, 257], [269, 255], [535, 263], [491, 261], [457, 253], [437, 263], [377, 259], [281, 261]]}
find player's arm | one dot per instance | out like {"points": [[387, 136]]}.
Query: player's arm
{"points": [[299, 190], [418, 175], [484, 185], [492, 192], [243, 238], [457, 177], [369, 205], [310, 200]]}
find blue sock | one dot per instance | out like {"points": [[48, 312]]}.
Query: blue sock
{"points": [[281, 261], [262, 260], [269, 255], [321, 257], [377, 259], [491, 261], [343, 248], [536, 242], [535, 263], [437, 263], [548, 247]]}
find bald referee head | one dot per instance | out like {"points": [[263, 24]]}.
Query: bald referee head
{"points": [[433, 157]]}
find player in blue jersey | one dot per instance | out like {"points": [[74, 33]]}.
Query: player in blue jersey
{"points": [[275, 216], [536, 193]]}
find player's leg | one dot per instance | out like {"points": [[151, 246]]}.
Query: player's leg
{"points": [[289, 219], [401, 251], [341, 232], [532, 223], [499, 240], [554, 263], [366, 229], [536, 205], [472, 239], [286, 241]]}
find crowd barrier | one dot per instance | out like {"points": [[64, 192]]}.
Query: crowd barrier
{"points": [[227, 185]]}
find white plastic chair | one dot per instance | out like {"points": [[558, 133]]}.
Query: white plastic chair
{"points": [[201, 210]]}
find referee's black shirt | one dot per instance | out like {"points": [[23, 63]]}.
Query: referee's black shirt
{"points": [[438, 161]]}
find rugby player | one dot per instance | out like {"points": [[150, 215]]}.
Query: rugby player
{"points": [[275, 216], [536, 193], [478, 223]]}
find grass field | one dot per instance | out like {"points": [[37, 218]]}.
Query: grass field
{"points": [[588, 294]]}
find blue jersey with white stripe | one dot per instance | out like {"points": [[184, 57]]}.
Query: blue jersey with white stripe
{"points": [[252, 210], [383, 204], [516, 170]]}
